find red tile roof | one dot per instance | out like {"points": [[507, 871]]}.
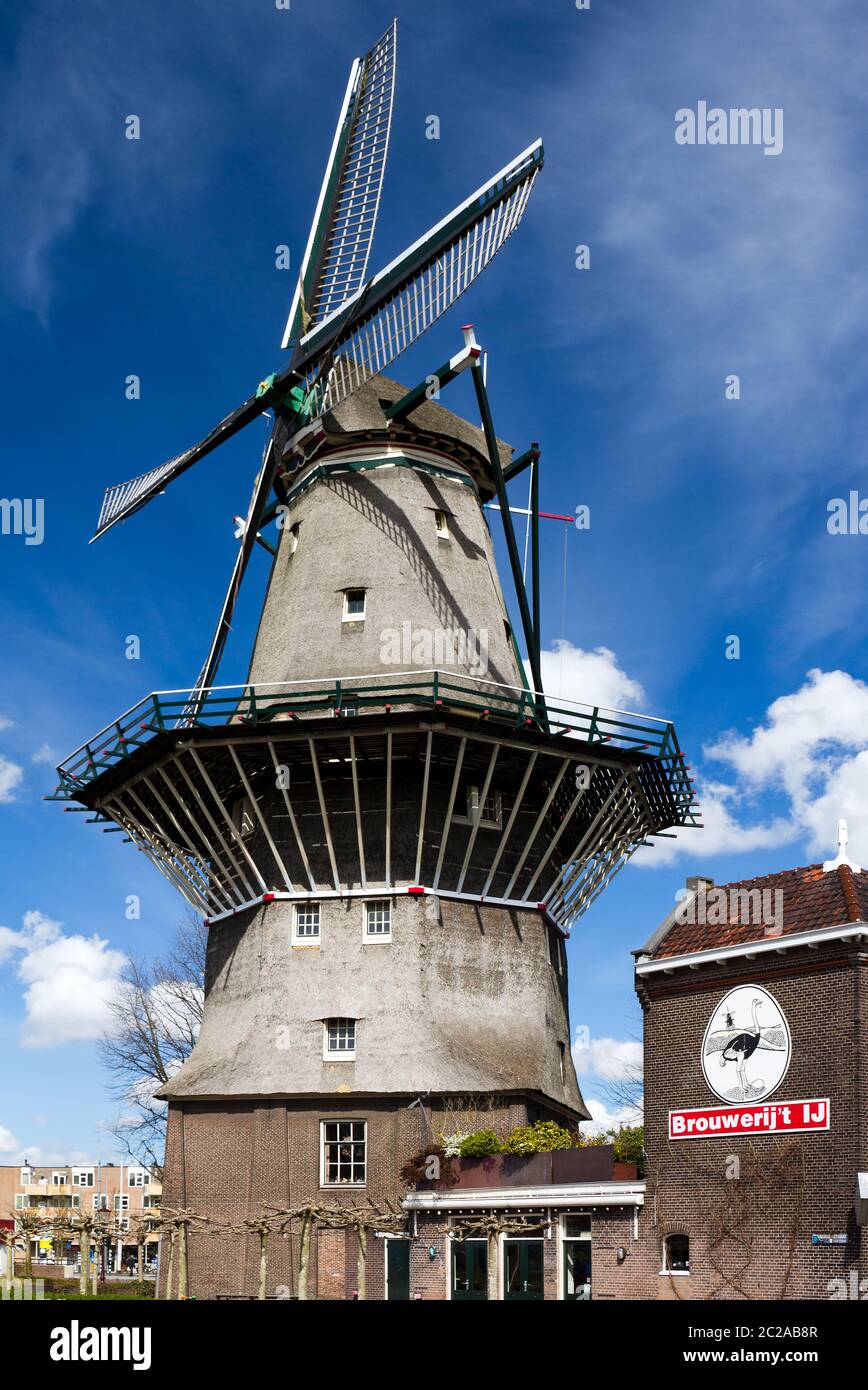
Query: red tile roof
{"points": [[811, 900]]}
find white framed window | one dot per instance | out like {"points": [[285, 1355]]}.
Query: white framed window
{"points": [[122, 1201], [492, 808], [339, 1039], [354, 605], [243, 817], [82, 1177], [305, 924], [441, 522], [149, 1202], [100, 1201], [138, 1177], [676, 1254], [26, 1177], [343, 1152], [58, 1179], [75, 1200], [123, 1223], [378, 920], [20, 1201]]}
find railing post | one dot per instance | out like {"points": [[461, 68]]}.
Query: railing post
{"points": [[158, 713]]}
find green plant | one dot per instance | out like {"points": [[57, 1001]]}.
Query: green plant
{"points": [[482, 1144], [629, 1142], [539, 1138]]}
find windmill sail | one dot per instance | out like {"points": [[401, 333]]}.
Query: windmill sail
{"points": [[336, 256], [386, 316], [123, 499]]}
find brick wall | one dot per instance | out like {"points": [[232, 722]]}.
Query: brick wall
{"points": [[227, 1161], [750, 1235]]}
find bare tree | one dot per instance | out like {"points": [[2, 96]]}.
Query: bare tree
{"points": [[155, 1019]]}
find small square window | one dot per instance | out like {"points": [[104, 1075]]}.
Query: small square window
{"points": [[343, 1152], [242, 817], [354, 606], [305, 926], [441, 521], [492, 808], [339, 1039], [378, 920], [122, 1201]]}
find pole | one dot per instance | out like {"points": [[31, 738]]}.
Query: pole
{"points": [[509, 531]]}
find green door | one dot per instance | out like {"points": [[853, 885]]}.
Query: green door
{"points": [[397, 1269], [469, 1269], [523, 1269]]}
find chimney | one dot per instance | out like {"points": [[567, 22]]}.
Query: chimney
{"points": [[699, 883]]}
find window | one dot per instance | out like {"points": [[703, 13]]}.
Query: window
{"points": [[378, 920], [75, 1200], [58, 1179], [305, 926], [26, 1177], [343, 1152], [150, 1203], [20, 1201], [354, 606], [242, 817], [492, 808], [139, 1177], [100, 1201], [123, 1223], [122, 1201], [292, 541], [562, 1052], [82, 1177], [339, 1039], [577, 1227], [676, 1254], [441, 521]]}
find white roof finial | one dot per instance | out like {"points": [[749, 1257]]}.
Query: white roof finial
{"points": [[841, 856]]}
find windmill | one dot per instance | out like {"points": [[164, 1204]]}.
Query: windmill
{"points": [[344, 328], [388, 863]]}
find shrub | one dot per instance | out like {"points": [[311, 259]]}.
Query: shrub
{"points": [[482, 1144], [540, 1138]]}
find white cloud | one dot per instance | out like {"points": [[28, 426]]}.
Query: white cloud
{"points": [[4, 722], [611, 1059], [11, 776], [588, 677], [8, 1141], [602, 1119], [44, 754], [810, 754], [70, 981]]}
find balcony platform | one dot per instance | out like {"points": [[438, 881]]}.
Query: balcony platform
{"points": [[360, 786]]}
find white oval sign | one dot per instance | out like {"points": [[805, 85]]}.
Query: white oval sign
{"points": [[746, 1048]]}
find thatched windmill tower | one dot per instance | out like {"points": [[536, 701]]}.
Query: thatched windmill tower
{"points": [[388, 829]]}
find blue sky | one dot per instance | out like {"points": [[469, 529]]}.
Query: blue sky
{"points": [[708, 516]]}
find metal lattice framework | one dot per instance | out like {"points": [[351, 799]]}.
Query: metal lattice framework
{"points": [[346, 241], [416, 289]]}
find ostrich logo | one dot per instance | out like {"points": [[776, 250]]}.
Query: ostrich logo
{"points": [[746, 1060]]}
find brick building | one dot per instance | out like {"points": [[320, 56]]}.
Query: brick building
{"points": [[755, 1002], [124, 1191]]}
